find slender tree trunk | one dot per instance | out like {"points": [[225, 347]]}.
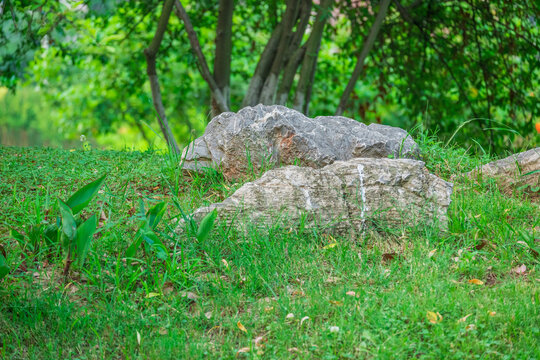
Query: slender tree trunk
{"points": [[263, 68], [270, 84], [309, 62], [221, 102], [150, 53], [368, 44], [222, 59], [288, 76], [294, 55], [303, 21]]}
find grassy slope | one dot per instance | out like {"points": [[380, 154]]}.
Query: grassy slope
{"points": [[259, 280]]}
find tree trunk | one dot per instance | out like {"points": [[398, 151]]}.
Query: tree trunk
{"points": [[288, 76], [150, 53], [263, 68], [270, 84], [222, 59], [221, 102], [309, 62], [368, 44]]}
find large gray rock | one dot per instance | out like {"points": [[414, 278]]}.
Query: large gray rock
{"points": [[517, 171], [340, 198], [262, 136]]}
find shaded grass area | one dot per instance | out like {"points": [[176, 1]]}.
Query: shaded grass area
{"points": [[296, 294]]}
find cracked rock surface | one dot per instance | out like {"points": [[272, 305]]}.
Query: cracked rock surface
{"points": [[342, 198], [512, 172], [262, 136]]}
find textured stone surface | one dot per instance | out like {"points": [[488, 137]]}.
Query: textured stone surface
{"points": [[340, 198], [261, 136], [510, 173]]}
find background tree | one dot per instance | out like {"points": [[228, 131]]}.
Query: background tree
{"points": [[438, 64]]}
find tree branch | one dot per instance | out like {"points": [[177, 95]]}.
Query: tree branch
{"points": [[196, 47], [150, 53], [263, 68], [309, 63], [368, 44], [270, 84], [222, 59]]}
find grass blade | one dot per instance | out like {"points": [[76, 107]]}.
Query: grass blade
{"points": [[82, 197], [84, 237], [69, 226], [4, 268], [155, 214], [206, 226]]}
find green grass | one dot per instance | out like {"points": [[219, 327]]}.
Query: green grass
{"points": [[191, 307]]}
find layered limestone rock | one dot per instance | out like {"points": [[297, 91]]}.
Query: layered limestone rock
{"points": [[517, 171], [260, 137], [342, 198]]}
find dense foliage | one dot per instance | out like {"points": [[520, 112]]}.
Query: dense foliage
{"points": [[441, 65]]}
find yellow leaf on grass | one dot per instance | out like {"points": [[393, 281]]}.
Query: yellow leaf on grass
{"points": [[434, 317], [463, 319], [152, 294], [476, 282], [492, 313], [331, 245], [241, 327], [335, 302]]}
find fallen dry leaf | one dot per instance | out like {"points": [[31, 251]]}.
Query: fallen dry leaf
{"points": [[293, 349], [242, 351], [241, 327], [470, 327], [476, 282], [331, 245], [520, 270], [350, 293], [492, 313], [434, 317], [208, 315], [225, 263], [189, 295], [298, 293], [268, 308], [463, 319], [289, 316], [332, 279], [432, 252], [138, 337], [388, 257], [102, 219], [335, 302], [304, 319], [259, 341]]}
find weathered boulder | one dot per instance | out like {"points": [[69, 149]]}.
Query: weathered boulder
{"points": [[516, 171], [340, 198], [259, 137]]}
